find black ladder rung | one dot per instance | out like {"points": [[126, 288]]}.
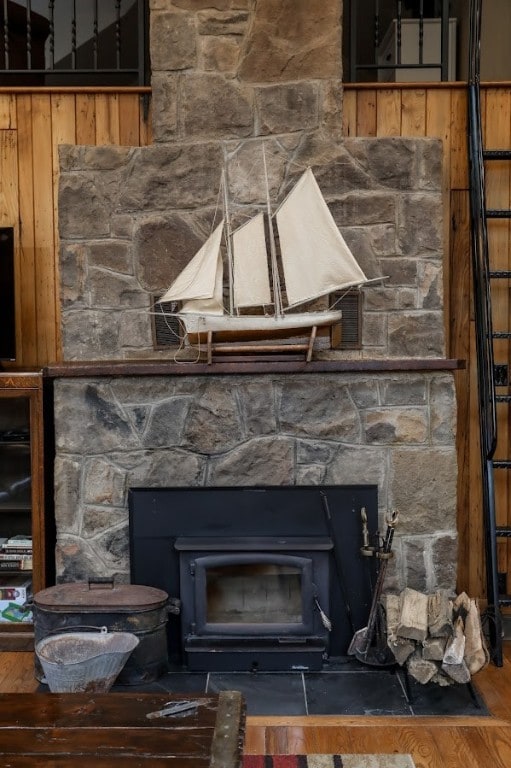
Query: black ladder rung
{"points": [[500, 273], [497, 154], [501, 335], [502, 464], [503, 398], [498, 213], [503, 531], [504, 600]]}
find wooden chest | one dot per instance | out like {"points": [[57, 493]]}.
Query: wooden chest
{"points": [[113, 730]]}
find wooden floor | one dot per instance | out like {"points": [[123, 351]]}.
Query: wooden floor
{"points": [[457, 742]]}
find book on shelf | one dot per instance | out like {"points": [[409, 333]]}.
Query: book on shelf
{"points": [[15, 555], [19, 564], [20, 541], [15, 551], [16, 587]]}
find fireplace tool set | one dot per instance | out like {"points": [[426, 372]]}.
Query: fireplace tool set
{"points": [[369, 644]]}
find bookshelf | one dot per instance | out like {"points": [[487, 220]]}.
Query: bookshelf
{"points": [[22, 560]]}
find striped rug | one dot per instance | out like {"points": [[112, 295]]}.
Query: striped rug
{"points": [[328, 761]]}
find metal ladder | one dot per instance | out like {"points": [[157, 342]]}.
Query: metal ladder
{"points": [[492, 347]]}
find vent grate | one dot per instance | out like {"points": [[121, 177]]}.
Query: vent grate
{"points": [[348, 333], [166, 330]]}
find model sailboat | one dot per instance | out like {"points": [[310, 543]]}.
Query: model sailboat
{"points": [[316, 261]]}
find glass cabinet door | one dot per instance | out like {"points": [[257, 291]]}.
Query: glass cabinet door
{"points": [[15, 510]]}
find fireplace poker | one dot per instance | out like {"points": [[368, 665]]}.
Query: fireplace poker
{"points": [[337, 561], [361, 642]]}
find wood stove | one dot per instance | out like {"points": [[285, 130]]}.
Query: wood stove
{"points": [[255, 602], [260, 571]]}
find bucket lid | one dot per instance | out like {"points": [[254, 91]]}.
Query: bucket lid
{"points": [[101, 596]]}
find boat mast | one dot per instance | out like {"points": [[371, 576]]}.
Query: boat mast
{"points": [[277, 292], [228, 235]]}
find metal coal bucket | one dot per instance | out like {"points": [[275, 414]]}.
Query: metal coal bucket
{"points": [[75, 662]]}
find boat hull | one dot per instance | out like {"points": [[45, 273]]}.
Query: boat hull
{"points": [[255, 327]]}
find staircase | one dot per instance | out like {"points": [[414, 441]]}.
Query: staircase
{"points": [[492, 308]]}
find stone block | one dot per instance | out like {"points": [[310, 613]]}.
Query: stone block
{"points": [[220, 54], [416, 334], [358, 465], [444, 558], [166, 422], [214, 22], [364, 208], [430, 285], [443, 407], [213, 106], [67, 488], [112, 255], [387, 426], [162, 246], [165, 100], [287, 108], [173, 41], [164, 177], [104, 483], [423, 488], [263, 461], [421, 226], [89, 334], [83, 207], [108, 289], [72, 273], [293, 41], [322, 408], [214, 423], [400, 271]]}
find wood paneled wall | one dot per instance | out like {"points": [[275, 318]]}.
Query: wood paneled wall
{"points": [[33, 124]]}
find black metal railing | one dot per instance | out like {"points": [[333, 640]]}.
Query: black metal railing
{"points": [[481, 274], [399, 40], [73, 42]]}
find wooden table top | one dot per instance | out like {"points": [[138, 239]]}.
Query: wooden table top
{"points": [[111, 730]]}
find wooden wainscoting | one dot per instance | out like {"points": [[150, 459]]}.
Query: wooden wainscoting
{"points": [[33, 122]]}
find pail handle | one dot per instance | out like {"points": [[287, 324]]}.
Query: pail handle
{"points": [[101, 582]]}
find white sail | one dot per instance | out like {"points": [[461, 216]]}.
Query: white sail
{"points": [[315, 257], [199, 285], [251, 278]]}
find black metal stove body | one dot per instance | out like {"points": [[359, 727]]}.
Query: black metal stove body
{"points": [[254, 603], [209, 523]]}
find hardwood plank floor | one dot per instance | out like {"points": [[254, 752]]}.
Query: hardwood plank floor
{"points": [[448, 742]]}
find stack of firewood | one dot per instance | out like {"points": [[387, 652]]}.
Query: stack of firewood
{"points": [[439, 638]]}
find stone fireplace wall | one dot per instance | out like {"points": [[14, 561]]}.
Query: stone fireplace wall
{"points": [[394, 430], [227, 76]]}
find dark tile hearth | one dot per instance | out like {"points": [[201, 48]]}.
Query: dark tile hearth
{"points": [[343, 687]]}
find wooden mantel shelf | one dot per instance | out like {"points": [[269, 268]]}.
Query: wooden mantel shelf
{"points": [[246, 366]]}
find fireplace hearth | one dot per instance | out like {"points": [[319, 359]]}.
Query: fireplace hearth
{"points": [[269, 578]]}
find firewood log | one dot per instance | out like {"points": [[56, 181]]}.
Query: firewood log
{"points": [[476, 653], [400, 646], [413, 621], [461, 606], [459, 672], [440, 614], [421, 669], [433, 648], [455, 649]]}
